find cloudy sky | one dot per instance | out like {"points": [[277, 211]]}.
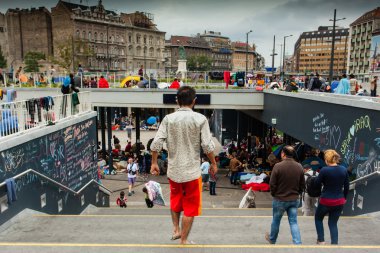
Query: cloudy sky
{"points": [[233, 18]]}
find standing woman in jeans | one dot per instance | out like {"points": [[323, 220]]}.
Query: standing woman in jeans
{"points": [[334, 179]]}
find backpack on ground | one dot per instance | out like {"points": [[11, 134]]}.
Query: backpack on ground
{"points": [[65, 89], [311, 185]]}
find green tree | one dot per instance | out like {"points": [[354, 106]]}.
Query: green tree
{"points": [[3, 61], [65, 53], [199, 63], [204, 63], [31, 61]]}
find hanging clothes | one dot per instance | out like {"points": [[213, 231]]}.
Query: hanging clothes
{"points": [[1, 94], [11, 190], [33, 106]]}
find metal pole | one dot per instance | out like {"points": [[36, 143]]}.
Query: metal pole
{"points": [[109, 130], [246, 60], [274, 48], [103, 131], [345, 54], [283, 59], [332, 49], [72, 49], [137, 111], [281, 66]]}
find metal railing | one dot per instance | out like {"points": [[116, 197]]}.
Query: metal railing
{"points": [[106, 190], [23, 115]]}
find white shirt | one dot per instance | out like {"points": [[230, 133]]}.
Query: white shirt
{"points": [[205, 167], [184, 132], [132, 171]]}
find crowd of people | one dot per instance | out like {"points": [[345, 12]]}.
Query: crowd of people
{"points": [[346, 85]]}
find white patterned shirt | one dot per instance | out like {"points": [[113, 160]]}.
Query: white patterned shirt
{"points": [[184, 132]]}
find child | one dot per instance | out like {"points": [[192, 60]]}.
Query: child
{"points": [[212, 181], [122, 200], [204, 172], [148, 202]]}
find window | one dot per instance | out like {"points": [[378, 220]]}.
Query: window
{"points": [[1, 29], [95, 36], [138, 38], [77, 34], [84, 35], [89, 36], [150, 40], [144, 39], [130, 38], [101, 37], [151, 52]]}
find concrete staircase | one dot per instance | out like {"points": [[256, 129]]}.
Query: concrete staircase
{"points": [[142, 230]]}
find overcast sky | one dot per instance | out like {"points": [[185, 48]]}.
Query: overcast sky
{"points": [[233, 18]]}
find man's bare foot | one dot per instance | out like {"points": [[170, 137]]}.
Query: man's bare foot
{"points": [[176, 236], [187, 242]]}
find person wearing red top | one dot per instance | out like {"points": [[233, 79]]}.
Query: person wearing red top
{"points": [[175, 84], [103, 82]]}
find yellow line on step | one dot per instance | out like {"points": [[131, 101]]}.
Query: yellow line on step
{"points": [[167, 216], [124, 245]]}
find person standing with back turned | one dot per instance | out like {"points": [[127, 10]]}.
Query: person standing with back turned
{"points": [[334, 179], [184, 132], [287, 183]]}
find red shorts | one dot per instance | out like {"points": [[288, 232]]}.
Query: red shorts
{"points": [[186, 197]]}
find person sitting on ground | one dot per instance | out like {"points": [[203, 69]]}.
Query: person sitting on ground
{"points": [[103, 82], [175, 84], [122, 200], [128, 148]]}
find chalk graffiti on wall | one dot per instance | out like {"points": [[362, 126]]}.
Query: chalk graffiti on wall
{"points": [[324, 134], [67, 156], [358, 152]]}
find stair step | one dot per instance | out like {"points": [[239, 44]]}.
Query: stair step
{"points": [[149, 230]]}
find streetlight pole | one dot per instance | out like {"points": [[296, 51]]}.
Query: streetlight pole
{"points": [[281, 66], [331, 70], [246, 58], [273, 54], [283, 56]]}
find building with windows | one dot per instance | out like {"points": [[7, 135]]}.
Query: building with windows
{"points": [[28, 30], [221, 50], [194, 47], [363, 33], [4, 37], [145, 43], [240, 55], [312, 51], [96, 34]]}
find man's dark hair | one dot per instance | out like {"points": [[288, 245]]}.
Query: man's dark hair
{"points": [[289, 151], [352, 76], [185, 95], [344, 76]]}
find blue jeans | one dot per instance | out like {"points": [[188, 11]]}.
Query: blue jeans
{"points": [[279, 208], [334, 214], [212, 187], [234, 177]]}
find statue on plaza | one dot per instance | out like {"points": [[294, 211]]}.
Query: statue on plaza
{"points": [[181, 53]]}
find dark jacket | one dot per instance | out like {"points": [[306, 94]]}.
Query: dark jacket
{"points": [[333, 179], [287, 180]]}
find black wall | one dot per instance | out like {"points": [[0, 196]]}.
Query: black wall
{"points": [[353, 132], [68, 156]]}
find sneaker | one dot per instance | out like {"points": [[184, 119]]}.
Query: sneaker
{"points": [[321, 243], [129, 193], [133, 192], [268, 238]]}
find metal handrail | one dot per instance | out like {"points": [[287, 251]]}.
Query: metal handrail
{"points": [[365, 177], [59, 184]]}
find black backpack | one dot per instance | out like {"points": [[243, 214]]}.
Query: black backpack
{"points": [[311, 186], [316, 83]]}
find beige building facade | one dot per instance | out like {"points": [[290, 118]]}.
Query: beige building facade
{"points": [[361, 32], [4, 37], [312, 51], [239, 57]]}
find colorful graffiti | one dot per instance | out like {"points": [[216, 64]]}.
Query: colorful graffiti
{"points": [[358, 152]]}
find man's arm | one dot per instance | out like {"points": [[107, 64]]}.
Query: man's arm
{"points": [[273, 181], [156, 146], [213, 166], [155, 169]]}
